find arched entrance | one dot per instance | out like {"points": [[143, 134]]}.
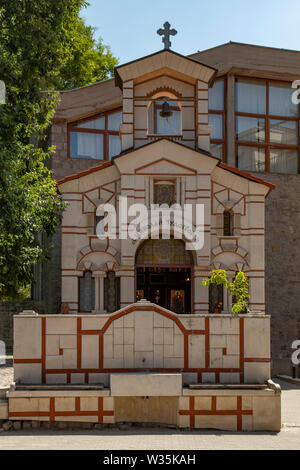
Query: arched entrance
{"points": [[164, 272]]}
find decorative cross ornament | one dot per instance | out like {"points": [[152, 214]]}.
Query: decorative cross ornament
{"points": [[166, 32]]}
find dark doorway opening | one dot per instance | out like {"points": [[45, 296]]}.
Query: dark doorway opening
{"points": [[168, 287]]}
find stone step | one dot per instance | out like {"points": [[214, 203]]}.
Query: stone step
{"points": [[20, 387], [227, 387]]}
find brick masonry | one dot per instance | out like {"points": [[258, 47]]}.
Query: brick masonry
{"points": [[283, 267]]}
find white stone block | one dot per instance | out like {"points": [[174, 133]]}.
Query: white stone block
{"points": [[179, 345], [128, 336], [90, 351], [77, 379], [208, 378], [224, 326], [66, 325], [54, 362], [229, 378], [28, 373], [93, 323], [158, 320], [233, 344], [108, 346], [158, 356], [99, 379], [196, 351], [174, 362], [128, 356], [216, 358], [143, 331], [189, 378], [168, 336], [256, 372], [257, 337], [66, 341], [118, 336], [27, 338], [217, 341], [56, 379], [69, 359], [143, 359], [52, 345], [129, 320], [231, 362], [140, 385], [158, 335]]}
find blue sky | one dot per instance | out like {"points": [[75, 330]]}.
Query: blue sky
{"points": [[129, 26]]}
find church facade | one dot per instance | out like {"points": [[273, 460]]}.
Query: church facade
{"points": [[252, 118], [161, 160], [254, 128], [137, 337]]}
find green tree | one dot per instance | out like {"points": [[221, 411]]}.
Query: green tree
{"points": [[88, 61], [239, 288], [43, 44]]}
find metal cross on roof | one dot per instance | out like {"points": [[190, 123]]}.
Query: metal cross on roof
{"points": [[166, 32]]}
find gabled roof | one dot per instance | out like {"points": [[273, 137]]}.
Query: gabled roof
{"points": [[245, 174], [78, 175], [224, 166], [164, 58]]}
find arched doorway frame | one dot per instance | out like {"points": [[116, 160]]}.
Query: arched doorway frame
{"points": [[190, 265]]}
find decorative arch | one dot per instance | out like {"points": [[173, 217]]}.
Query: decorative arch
{"points": [[158, 125], [95, 259], [230, 257], [163, 252]]}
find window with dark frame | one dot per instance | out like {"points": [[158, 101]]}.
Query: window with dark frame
{"points": [[228, 224], [217, 118], [267, 126], [97, 137]]}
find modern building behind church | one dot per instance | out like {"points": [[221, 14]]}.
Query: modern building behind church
{"points": [[232, 121]]}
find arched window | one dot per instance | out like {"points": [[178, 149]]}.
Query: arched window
{"points": [[228, 224], [86, 292], [216, 302], [164, 117], [111, 292]]}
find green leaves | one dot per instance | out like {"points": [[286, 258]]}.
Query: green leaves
{"points": [[239, 288]]}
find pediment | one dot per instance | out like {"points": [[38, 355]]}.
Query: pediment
{"points": [[164, 166]]}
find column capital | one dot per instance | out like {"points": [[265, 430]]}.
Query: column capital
{"points": [[99, 274]]}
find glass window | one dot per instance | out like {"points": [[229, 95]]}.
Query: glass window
{"points": [[114, 120], [86, 292], [251, 96], [227, 224], [86, 145], [168, 125], [216, 96], [217, 150], [283, 132], [93, 124], [251, 158], [216, 121], [283, 161], [250, 129], [281, 100], [114, 145]]}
